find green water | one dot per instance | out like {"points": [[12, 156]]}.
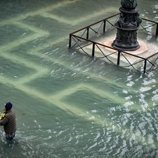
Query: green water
{"points": [[68, 105]]}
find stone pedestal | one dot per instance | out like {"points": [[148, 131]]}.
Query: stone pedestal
{"points": [[145, 50], [127, 26]]}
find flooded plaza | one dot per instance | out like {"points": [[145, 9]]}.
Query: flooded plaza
{"points": [[68, 105]]}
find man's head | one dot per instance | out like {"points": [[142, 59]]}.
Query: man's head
{"points": [[8, 106]]}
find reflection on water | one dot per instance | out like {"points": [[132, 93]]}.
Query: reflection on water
{"points": [[68, 105]]}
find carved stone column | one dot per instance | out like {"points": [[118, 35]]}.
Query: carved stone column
{"points": [[127, 26]]}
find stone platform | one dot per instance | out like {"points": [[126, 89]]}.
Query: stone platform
{"points": [[146, 50]]}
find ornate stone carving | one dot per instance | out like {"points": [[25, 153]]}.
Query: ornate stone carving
{"points": [[129, 4], [127, 26]]}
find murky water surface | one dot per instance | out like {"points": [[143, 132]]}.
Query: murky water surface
{"points": [[67, 105]]}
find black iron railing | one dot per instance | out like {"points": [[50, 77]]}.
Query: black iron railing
{"points": [[84, 37], [152, 24]]}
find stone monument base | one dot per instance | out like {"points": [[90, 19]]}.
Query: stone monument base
{"points": [[126, 60]]}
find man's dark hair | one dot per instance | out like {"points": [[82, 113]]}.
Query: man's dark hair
{"points": [[8, 106]]}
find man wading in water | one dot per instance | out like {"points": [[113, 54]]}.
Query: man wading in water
{"points": [[9, 122]]}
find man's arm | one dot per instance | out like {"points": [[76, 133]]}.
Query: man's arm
{"points": [[3, 121]]}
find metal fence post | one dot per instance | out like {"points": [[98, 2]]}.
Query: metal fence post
{"points": [[157, 30], [104, 26], [70, 36], [93, 49], [87, 36], [118, 58], [145, 63]]}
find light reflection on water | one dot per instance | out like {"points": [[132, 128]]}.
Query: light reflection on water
{"points": [[98, 126]]}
